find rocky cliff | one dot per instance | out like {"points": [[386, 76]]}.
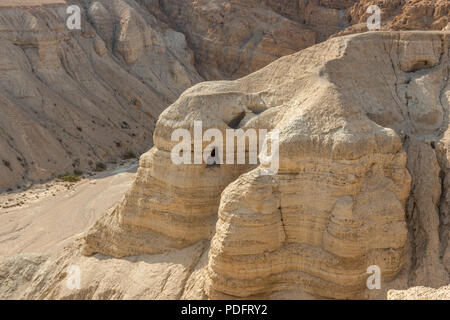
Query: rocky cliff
{"points": [[363, 124], [362, 181], [71, 99]]}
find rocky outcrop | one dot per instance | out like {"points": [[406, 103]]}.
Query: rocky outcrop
{"points": [[150, 277], [362, 122], [234, 38], [181, 201], [303, 256], [363, 168], [71, 99], [400, 15]]}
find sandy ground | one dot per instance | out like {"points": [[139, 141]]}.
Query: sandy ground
{"points": [[12, 3], [47, 217]]}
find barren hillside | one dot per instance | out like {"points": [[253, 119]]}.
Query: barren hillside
{"points": [[363, 180], [72, 99]]}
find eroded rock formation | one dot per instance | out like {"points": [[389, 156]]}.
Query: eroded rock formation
{"points": [[402, 15], [363, 124], [234, 38], [72, 98], [364, 164]]}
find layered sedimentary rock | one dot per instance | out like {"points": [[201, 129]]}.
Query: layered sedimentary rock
{"points": [[234, 38], [363, 122], [363, 125], [400, 15], [69, 99], [323, 17], [181, 201]]}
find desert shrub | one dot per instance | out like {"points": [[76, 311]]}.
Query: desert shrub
{"points": [[129, 155], [100, 166], [6, 163], [69, 177]]}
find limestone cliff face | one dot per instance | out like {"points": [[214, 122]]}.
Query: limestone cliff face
{"points": [[236, 37], [364, 162], [344, 239], [362, 122], [70, 99], [403, 15]]}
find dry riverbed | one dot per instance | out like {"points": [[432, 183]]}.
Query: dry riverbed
{"points": [[48, 216]]}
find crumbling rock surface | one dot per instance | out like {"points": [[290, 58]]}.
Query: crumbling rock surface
{"points": [[363, 177], [400, 15], [420, 293], [363, 124], [234, 38], [69, 99], [152, 277], [416, 14]]}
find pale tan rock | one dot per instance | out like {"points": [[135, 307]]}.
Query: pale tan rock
{"points": [[100, 47], [129, 60], [338, 202], [420, 293], [234, 38], [145, 277], [363, 174], [400, 15]]}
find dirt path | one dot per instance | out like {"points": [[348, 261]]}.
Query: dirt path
{"points": [[51, 215]]}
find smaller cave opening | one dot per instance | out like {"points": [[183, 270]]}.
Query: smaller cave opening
{"points": [[234, 123], [213, 161], [420, 65]]}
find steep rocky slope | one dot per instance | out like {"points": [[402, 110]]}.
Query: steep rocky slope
{"points": [[402, 14], [233, 38], [363, 180], [70, 99]]}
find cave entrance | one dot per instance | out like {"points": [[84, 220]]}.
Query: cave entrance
{"points": [[213, 159]]}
